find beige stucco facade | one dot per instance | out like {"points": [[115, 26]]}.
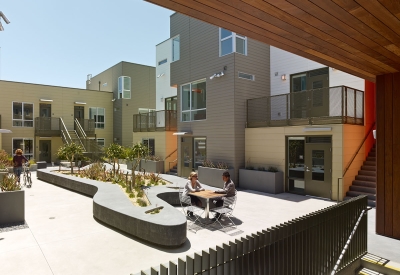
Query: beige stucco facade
{"points": [[62, 101], [267, 147]]}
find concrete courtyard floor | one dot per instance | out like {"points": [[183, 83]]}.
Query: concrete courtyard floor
{"points": [[64, 238]]}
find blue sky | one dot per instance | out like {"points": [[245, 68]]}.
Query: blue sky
{"points": [[61, 42]]}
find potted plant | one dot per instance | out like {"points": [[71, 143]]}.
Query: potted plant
{"points": [[32, 165], [12, 201], [211, 173], [152, 164], [264, 180]]}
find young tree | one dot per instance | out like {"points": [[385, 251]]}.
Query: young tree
{"points": [[70, 151], [135, 154], [114, 152]]}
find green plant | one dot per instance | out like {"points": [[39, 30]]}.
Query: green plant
{"points": [[10, 183], [5, 160], [154, 178], [250, 167], [154, 158], [135, 154], [70, 151], [261, 168], [131, 195], [141, 202], [32, 161], [208, 163], [272, 169], [222, 165], [114, 152]]}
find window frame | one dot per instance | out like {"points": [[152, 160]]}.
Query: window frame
{"points": [[191, 101], [163, 61], [97, 123], [173, 58], [22, 119], [30, 155], [152, 150], [233, 36], [122, 90], [252, 75]]}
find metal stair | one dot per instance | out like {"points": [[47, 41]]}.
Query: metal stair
{"points": [[365, 181]]}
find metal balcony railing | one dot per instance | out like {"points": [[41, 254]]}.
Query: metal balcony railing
{"points": [[155, 121], [333, 105], [88, 126], [47, 126]]}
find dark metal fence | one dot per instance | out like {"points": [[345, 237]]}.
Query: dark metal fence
{"points": [[333, 105], [307, 245], [155, 121], [47, 126], [88, 126]]}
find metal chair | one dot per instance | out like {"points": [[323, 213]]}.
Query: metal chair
{"points": [[226, 209], [188, 207]]}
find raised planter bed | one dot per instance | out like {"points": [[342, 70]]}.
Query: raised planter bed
{"points": [[12, 207], [149, 166], [213, 176], [263, 181], [111, 206]]}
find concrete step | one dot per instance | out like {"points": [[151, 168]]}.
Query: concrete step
{"points": [[368, 167], [367, 173], [371, 159], [369, 184], [366, 178], [369, 163], [372, 154], [364, 189], [379, 265], [366, 271], [357, 193]]}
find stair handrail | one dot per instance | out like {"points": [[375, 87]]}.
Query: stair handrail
{"points": [[169, 164], [79, 141], [171, 154], [65, 130], [358, 150], [80, 129], [346, 246]]}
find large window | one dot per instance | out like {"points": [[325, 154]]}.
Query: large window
{"points": [[98, 115], [25, 144], [124, 87], [231, 42], [199, 151], [150, 144], [176, 49], [22, 114], [194, 101]]}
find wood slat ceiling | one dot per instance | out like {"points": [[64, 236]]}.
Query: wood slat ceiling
{"points": [[360, 37]]}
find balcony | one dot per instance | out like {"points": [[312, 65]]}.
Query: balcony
{"points": [[47, 126], [333, 105], [155, 121]]}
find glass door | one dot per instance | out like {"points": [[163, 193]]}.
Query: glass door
{"points": [[186, 156], [296, 169]]}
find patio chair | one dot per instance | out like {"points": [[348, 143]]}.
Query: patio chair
{"points": [[226, 209], [188, 207]]}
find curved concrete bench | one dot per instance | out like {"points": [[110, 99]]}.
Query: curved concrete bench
{"points": [[112, 206]]}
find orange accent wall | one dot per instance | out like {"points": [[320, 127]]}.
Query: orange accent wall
{"points": [[369, 112]]}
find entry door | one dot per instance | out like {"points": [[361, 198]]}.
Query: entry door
{"points": [[186, 156], [45, 150], [45, 116], [318, 170], [317, 84], [79, 113]]}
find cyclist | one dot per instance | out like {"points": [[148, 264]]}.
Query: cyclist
{"points": [[18, 160]]}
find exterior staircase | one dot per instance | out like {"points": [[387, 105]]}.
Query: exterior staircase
{"points": [[75, 138], [173, 171], [365, 181]]}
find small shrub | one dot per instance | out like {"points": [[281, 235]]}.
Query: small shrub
{"points": [[154, 178], [272, 169], [140, 193], [208, 163], [131, 195], [250, 168], [261, 168], [163, 182], [222, 165], [10, 183], [141, 202], [153, 158]]}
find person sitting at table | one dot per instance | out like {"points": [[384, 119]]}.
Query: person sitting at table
{"points": [[193, 185], [229, 190]]}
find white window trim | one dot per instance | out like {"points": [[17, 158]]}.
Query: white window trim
{"points": [[191, 110], [23, 149], [121, 93], [253, 79], [22, 115], [98, 123], [172, 48], [164, 60], [233, 36]]}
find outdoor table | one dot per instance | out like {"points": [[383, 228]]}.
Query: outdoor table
{"points": [[207, 195]]}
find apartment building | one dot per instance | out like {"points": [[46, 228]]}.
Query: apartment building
{"points": [[312, 126], [133, 89], [42, 117]]}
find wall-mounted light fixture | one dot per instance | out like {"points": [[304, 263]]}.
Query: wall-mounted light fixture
{"points": [[160, 75], [45, 100], [374, 133], [217, 75], [283, 77], [104, 84], [113, 99], [80, 103], [162, 99]]}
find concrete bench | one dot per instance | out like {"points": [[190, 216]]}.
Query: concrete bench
{"points": [[112, 206]]}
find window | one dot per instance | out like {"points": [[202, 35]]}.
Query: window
{"points": [[101, 142], [150, 143], [124, 87], [162, 61], [98, 114], [194, 101], [25, 144], [231, 42], [22, 114], [199, 151], [176, 49], [246, 76]]}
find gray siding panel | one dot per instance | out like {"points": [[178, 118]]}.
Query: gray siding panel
{"points": [[227, 95]]}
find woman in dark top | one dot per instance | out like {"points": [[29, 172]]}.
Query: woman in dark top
{"points": [[18, 160]]}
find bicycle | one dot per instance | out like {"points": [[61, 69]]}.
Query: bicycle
{"points": [[27, 177]]}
